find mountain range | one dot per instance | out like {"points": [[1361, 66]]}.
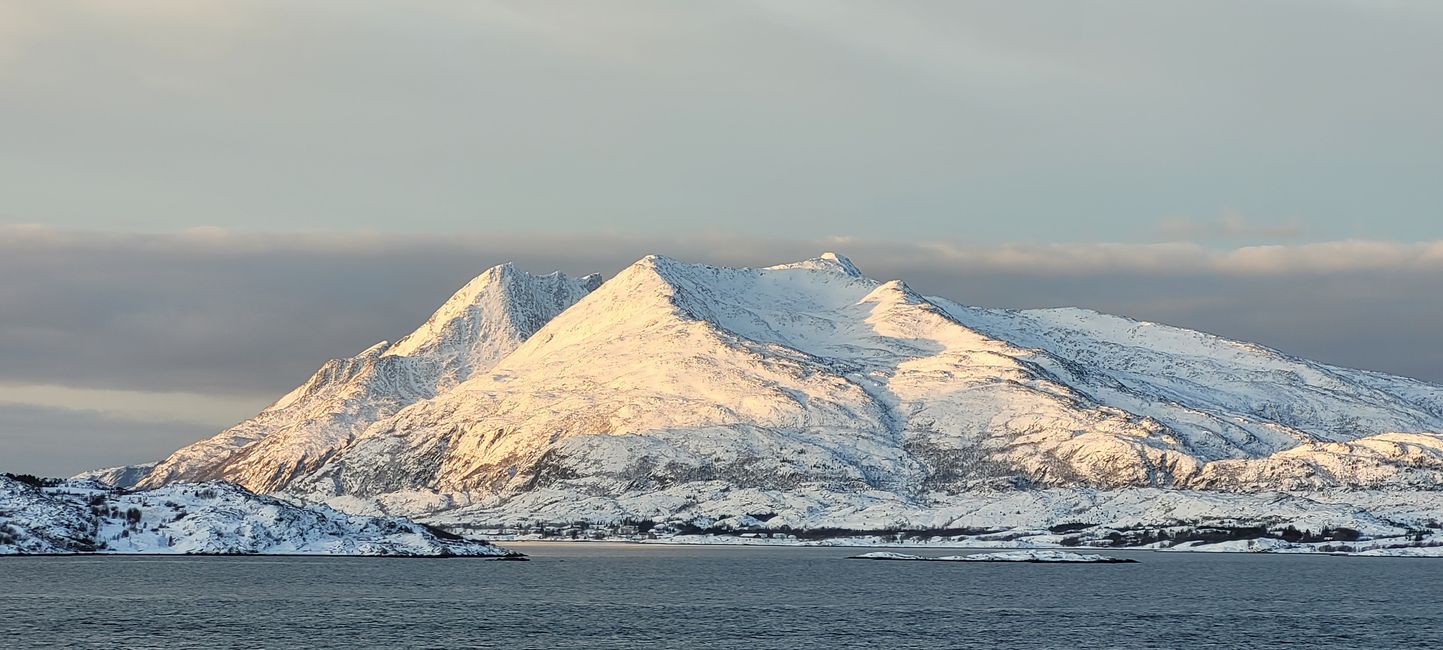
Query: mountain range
{"points": [[809, 392]]}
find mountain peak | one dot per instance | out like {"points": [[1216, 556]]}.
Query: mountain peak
{"points": [[840, 260], [894, 291], [654, 261], [502, 296], [481, 323], [828, 261]]}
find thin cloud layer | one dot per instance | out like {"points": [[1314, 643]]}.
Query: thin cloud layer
{"points": [[1005, 121]]}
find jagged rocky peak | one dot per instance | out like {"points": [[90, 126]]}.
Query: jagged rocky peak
{"points": [[503, 300], [828, 261], [487, 319], [475, 328], [334, 372], [894, 291], [670, 268], [761, 304]]}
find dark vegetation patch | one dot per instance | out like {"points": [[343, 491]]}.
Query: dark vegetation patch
{"points": [[1206, 535], [35, 481]]}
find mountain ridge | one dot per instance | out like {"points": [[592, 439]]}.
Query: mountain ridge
{"points": [[481, 322], [812, 377]]}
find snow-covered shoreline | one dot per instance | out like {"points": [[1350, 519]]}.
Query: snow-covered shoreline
{"points": [[1133, 518], [1262, 546], [1032, 556], [86, 518]]}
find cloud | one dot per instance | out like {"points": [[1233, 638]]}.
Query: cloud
{"points": [[1231, 226], [210, 411], [906, 120], [63, 442]]}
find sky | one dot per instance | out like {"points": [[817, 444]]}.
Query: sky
{"points": [[201, 202]]}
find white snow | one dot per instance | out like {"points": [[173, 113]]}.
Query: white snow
{"points": [[1032, 556], [823, 398], [123, 476], [485, 320], [207, 518], [887, 555], [1006, 556]]}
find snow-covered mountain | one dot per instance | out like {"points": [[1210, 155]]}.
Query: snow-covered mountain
{"points": [[803, 380], [481, 323], [123, 476], [218, 517]]}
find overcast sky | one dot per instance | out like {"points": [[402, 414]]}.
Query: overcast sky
{"points": [[200, 202]]}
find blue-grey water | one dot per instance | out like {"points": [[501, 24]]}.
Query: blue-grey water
{"points": [[631, 596]]}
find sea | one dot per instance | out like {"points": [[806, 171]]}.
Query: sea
{"points": [[609, 595]]}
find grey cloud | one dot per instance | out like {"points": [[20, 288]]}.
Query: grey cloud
{"points": [[253, 315], [62, 442]]}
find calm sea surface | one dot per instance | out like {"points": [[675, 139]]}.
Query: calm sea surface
{"points": [[629, 596]]}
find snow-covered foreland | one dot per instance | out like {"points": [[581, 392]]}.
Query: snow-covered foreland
{"points": [[205, 518], [808, 396], [1323, 521], [123, 476], [1048, 557]]}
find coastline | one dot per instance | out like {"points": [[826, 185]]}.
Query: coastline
{"points": [[853, 543]]}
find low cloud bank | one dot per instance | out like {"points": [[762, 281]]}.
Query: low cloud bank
{"points": [[64, 442]]}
